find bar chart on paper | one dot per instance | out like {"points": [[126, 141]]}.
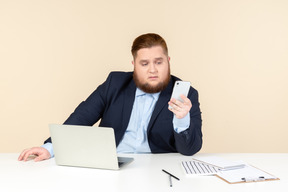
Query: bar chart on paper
{"points": [[198, 168]]}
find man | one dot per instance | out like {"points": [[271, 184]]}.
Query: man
{"points": [[135, 105]]}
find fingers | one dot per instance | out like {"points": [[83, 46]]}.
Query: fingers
{"points": [[175, 106], [21, 156], [180, 109], [26, 153], [42, 157], [40, 152], [178, 105], [186, 100]]}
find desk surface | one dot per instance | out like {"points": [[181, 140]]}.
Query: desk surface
{"points": [[143, 174]]}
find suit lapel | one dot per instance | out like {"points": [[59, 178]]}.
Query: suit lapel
{"points": [[129, 97]]}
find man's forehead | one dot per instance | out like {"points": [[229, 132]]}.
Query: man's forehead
{"points": [[151, 49], [156, 58], [155, 52]]}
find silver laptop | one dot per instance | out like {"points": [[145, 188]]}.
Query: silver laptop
{"points": [[86, 146]]}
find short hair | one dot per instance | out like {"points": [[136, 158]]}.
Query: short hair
{"points": [[147, 41]]}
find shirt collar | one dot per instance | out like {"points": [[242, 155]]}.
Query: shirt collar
{"points": [[139, 92]]}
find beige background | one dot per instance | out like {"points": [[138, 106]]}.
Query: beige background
{"points": [[54, 53]]}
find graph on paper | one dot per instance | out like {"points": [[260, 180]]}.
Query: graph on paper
{"points": [[198, 168]]}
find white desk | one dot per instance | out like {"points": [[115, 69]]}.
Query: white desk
{"points": [[143, 174]]}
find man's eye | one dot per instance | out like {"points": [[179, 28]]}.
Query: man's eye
{"points": [[158, 62], [144, 64]]}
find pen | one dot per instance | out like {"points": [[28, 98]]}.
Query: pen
{"points": [[170, 180], [170, 174]]}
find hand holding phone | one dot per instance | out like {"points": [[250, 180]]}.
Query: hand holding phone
{"points": [[180, 88]]}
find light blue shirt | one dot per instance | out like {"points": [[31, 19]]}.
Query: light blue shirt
{"points": [[135, 138]]}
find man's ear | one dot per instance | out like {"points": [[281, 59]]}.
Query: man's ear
{"points": [[132, 62], [168, 58]]}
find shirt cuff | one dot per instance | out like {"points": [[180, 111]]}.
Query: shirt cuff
{"points": [[49, 148], [181, 124]]}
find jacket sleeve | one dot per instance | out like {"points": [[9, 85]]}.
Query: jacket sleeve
{"points": [[189, 142]]}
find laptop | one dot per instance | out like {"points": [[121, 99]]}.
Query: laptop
{"points": [[86, 146]]}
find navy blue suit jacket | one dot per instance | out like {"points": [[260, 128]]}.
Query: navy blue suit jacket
{"points": [[112, 102]]}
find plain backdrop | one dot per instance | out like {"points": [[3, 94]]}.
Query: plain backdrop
{"points": [[54, 53]]}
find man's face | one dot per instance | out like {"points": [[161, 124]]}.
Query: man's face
{"points": [[151, 69]]}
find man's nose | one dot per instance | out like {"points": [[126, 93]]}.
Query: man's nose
{"points": [[152, 68]]}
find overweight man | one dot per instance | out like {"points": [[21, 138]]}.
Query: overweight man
{"points": [[135, 104]]}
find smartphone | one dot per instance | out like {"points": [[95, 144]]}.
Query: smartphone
{"points": [[180, 87]]}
